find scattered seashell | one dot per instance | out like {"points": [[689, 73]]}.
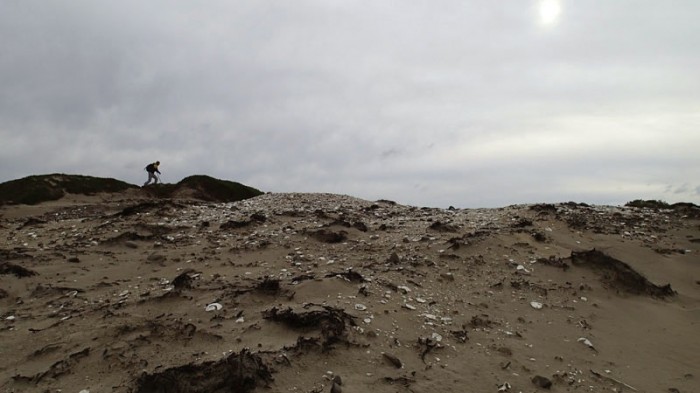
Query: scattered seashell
{"points": [[504, 388], [360, 307], [214, 307], [536, 305], [586, 342]]}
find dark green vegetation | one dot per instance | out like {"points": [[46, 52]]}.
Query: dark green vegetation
{"points": [[205, 188], [686, 209], [651, 204], [36, 189]]}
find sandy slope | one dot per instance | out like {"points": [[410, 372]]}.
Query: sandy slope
{"points": [[110, 294]]}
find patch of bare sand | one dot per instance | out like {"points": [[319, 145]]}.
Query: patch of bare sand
{"points": [[307, 289]]}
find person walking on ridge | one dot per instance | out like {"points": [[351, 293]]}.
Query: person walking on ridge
{"points": [[152, 169]]}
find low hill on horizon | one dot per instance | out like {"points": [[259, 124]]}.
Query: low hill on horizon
{"points": [[35, 189], [32, 190]]}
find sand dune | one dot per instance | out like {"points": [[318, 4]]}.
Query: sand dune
{"points": [[321, 293]]}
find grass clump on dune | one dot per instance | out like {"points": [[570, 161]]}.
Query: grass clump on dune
{"points": [[41, 188]]}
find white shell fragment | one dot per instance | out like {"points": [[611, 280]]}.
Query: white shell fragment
{"points": [[214, 307], [536, 305], [586, 342], [360, 307]]}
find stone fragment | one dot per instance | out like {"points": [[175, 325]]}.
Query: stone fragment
{"points": [[156, 258], [542, 382], [396, 362], [335, 388]]}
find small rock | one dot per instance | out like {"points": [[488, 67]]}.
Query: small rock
{"points": [[542, 382], [156, 257], [131, 244], [396, 362], [74, 260], [335, 388]]}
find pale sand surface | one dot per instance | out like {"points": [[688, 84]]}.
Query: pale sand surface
{"points": [[313, 286]]}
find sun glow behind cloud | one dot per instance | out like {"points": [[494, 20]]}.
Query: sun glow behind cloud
{"points": [[549, 11]]}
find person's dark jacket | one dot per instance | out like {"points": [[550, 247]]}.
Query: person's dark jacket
{"points": [[152, 168]]}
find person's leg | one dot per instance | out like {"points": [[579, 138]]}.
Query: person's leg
{"points": [[150, 176]]}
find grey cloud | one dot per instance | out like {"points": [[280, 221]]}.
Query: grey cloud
{"points": [[477, 104]]}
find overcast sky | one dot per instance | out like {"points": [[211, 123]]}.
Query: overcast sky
{"points": [[429, 103]]}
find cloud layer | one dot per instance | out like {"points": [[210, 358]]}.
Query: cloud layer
{"points": [[462, 103]]}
